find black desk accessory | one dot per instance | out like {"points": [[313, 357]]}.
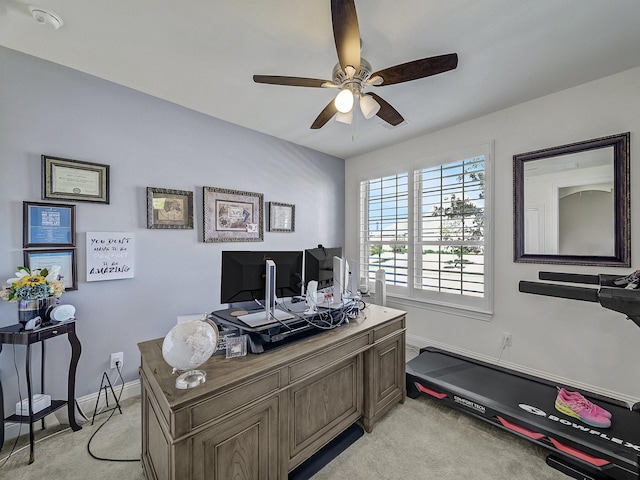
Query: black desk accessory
{"points": [[103, 386], [279, 333]]}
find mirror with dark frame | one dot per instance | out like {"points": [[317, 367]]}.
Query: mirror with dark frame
{"points": [[572, 203]]}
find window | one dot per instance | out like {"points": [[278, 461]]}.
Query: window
{"points": [[427, 228]]}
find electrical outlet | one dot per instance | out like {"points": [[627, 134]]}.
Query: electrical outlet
{"points": [[117, 357], [506, 339]]}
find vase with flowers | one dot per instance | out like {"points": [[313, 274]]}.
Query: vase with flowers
{"points": [[34, 291]]}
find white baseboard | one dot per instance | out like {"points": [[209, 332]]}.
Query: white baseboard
{"points": [[415, 343], [86, 405]]}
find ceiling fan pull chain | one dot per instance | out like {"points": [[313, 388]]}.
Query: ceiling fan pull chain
{"points": [[354, 125]]}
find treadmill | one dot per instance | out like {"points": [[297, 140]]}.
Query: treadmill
{"points": [[524, 404]]}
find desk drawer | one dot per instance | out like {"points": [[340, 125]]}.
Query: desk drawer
{"points": [[326, 358], [228, 401], [52, 332], [388, 329]]}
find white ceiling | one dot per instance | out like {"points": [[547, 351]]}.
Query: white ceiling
{"points": [[203, 53]]}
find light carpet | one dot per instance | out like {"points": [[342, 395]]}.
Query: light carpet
{"points": [[425, 440], [419, 439], [62, 454]]}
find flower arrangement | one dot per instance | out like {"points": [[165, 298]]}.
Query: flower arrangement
{"points": [[33, 285]]}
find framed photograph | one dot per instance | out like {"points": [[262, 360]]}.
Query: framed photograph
{"points": [[48, 225], [66, 258], [232, 215], [64, 179], [169, 208], [282, 217]]}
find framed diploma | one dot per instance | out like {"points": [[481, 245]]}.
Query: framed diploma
{"points": [[48, 225], [64, 179], [169, 208], [66, 258]]}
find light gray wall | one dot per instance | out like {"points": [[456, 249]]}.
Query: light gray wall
{"points": [[48, 109], [579, 341]]}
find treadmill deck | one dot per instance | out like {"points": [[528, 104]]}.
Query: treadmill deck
{"points": [[524, 405]]}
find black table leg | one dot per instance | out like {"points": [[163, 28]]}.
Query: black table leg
{"points": [[42, 376], [30, 397], [76, 349]]}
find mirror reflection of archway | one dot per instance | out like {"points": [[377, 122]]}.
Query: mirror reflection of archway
{"points": [[585, 223]]}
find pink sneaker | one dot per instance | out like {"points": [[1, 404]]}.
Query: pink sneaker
{"points": [[567, 395], [582, 410]]}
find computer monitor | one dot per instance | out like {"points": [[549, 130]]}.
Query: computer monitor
{"points": [[244, 275], [318, 265]]}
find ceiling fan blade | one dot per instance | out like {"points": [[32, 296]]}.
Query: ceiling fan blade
{"points": [[387, 112], [417, 69], [325, 115], [346, 32], [290, 81]]}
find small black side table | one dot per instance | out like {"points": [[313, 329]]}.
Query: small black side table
{"points": [[16, 335]]}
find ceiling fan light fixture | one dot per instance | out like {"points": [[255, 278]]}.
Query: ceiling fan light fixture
{"points": [[368, 106], [345, 117], [344, 100]]}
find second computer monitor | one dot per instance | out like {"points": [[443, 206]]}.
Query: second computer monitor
{"points": [[318, 265]]}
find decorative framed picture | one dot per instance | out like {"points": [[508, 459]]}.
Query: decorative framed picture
{"points": [[48, 225], [66, 258], [64, 179], [232, 215], [110, 256], [282, 217], [169, 208]]}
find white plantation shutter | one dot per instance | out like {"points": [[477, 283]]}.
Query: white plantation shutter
{"points": [[428, 229]]}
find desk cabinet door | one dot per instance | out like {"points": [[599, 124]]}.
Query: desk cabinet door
{"points": [[245, 447], [385, 381], [323, 406], [156, 448]]}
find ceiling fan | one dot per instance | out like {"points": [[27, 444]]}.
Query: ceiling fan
{"points": [[353, 73]]}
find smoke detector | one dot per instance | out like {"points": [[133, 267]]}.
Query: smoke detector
{"points": [[46, 17]]}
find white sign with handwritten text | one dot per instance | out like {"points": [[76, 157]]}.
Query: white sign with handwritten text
{"points": [[110, 255]]}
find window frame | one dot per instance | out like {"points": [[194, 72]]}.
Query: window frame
{"points": [[448, 302]]}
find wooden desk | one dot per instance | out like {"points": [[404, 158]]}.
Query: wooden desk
{"points": [[260, 416], [16, 335]]}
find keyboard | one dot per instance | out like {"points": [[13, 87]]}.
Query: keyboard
{"points": [[259, 318]]}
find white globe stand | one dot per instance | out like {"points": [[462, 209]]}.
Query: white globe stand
{"points": [[190, 379]]}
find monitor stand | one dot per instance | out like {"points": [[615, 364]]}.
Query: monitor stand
{"points": [[339, 281], [270, 289], [270, 314]]}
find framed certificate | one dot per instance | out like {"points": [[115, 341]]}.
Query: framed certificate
{"points": [[66, 258], [64, 179], [48, 225]]}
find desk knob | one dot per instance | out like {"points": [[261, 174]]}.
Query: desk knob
{"points": [[55, 332]]}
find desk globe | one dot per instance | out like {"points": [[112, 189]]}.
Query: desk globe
{"points": [[187, 346]]}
